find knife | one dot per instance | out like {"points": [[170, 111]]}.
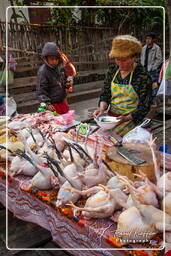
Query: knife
{"points": [[128, 154]]}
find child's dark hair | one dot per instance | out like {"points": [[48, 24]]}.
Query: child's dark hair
{"points": [[58, 57]]}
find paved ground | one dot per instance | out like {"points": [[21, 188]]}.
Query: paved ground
{"points": [[22, 234], [84, 108]]}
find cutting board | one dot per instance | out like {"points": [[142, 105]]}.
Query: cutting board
{"points": [[124, 167]]}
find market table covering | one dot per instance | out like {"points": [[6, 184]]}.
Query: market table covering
{"points": [[67, 231]]}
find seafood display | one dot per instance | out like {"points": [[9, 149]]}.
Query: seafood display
{"points": [[78, 170]]}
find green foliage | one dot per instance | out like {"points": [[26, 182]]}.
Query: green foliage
{"points": [[18, 3], [151, 17]]}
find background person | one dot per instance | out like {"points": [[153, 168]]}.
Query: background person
{"points": [[151, 58], [165, 85], [52, 81]]}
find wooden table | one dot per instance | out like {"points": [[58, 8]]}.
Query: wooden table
{"points": [[65, 232]]}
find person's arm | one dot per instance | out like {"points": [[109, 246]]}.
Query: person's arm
{"points": [[158, 59], [42, 88], [105, 96], [142, 57], [144, 91], [100, 111]]}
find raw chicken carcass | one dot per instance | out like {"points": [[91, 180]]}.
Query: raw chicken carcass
{"points": [[77, 155], [166, 203], [35, 139], [71, 171], [65, 196], [44, 179], [163, 182], [22, 166], [144, 193], [94, 174], [59, 140], [102, 204], [101, 201], [148, 218]]}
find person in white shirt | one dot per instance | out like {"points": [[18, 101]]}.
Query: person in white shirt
{"points": [[151, 56]]}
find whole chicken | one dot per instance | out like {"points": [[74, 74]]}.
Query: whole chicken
{"points": [[95, 173], [20, 165], [35, 138], [168, 242], [77, 155], [163, 182], [166, 203], [101, 200], [144, 193], [71, 171], [64, 196], [44, 178], [102, 204], [131, 227], [148, 218], [59, 140]]}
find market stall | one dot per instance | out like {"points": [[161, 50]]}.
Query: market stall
{"points": [[61, 176]]}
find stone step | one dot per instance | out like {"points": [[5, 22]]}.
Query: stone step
{"points": [[31, 105], [29, 82], [31, 68], [30, 87]]}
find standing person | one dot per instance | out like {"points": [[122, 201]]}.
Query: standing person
{"points": [[127, 88], [11, 69], [165, 86], [52, 81], [151, 57]]}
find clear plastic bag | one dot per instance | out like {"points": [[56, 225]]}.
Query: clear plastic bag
{"points": [[137, 135], [12, 106]]}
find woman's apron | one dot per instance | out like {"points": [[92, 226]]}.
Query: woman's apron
{"points": [[124, 100]]}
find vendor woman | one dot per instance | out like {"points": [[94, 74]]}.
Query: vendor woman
{"points": [[127, 91]]}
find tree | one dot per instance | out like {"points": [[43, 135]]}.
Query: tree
{"points": [[121, 18], [17, 15]]}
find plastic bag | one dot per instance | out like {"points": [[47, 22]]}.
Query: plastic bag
{"points": [[12, 106], [3, 77], [65, 119], [165, 88], [137, 135]]}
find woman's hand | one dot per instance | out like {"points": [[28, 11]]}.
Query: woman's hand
{"points": [[98, 112], [124, 118]]}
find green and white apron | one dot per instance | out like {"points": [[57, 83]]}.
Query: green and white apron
{"points": [[124, 100]]}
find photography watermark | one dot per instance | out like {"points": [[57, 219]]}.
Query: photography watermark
{"points": [[134, 236]]}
